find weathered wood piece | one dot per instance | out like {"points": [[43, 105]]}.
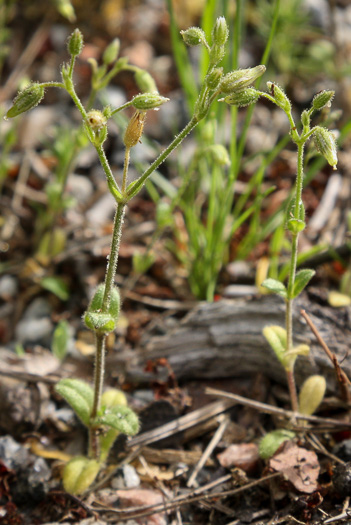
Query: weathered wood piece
{"points": [[224, 339]]}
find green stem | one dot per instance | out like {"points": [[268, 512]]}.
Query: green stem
{"points": [[113, 258], [162, 157], [292, 274], [98, 385], [112, 184]]}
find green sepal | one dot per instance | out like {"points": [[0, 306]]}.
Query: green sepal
{"points": [[79, 473], [302, 278], [296, 225], [277, 338], [97, 320], [270, 443], [276, 287], [120, 418], [79, 395], [26, 100]]}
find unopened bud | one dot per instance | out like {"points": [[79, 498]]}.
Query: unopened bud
{"points": [[305, 119], [146, 101], [220, 154], [214, 77], [220, 32], [111, 52], [326, 145], [75, 43], [26, 99], [242, 98], [279, 96], [194, 36], [145, 81], [96, 120], [134, 129], [239, 80], [323, 99]]}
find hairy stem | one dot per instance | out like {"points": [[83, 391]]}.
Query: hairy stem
{"points": [[292, 274]]}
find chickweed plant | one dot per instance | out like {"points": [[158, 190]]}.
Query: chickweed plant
{"points": [[280, 339], [106, 414]]}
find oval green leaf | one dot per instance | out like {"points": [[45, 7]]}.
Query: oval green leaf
{"points": [[79, 395]]}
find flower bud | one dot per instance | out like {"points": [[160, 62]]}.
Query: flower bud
{"points": [[134, 129], [323, 99], [214, 77], [26, 99], [145, 81], [241, 79], [220, 32], [242, 98], [305, 119], [111, 52], [279, 96], [146, 101], [325, 144], [194, 36], [75, 43], [96, 120], [220, 154]]}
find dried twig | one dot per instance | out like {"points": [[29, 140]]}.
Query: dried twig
{"points": [[147, 510], [269, 409], [341, 377], [183, 423], [209, 449]]}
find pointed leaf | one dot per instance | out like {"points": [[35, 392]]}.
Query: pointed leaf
{"points": [[301, 280], [120, 418], [276, 337], [79, 395], [312, 394], [57, 286], [270, 443], [275, 286], [79, 474]]}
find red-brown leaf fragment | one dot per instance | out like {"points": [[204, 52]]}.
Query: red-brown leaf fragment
{"points": [[243, 455], [299, 466]]}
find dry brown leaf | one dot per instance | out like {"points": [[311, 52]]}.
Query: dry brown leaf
{"points": [[299, 466], [141, 497]]}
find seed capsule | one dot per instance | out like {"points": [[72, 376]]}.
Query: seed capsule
{"points": [[134, 129], [239, 80], [323, 99], [26, 100], [326, 146], [75, 43]]}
